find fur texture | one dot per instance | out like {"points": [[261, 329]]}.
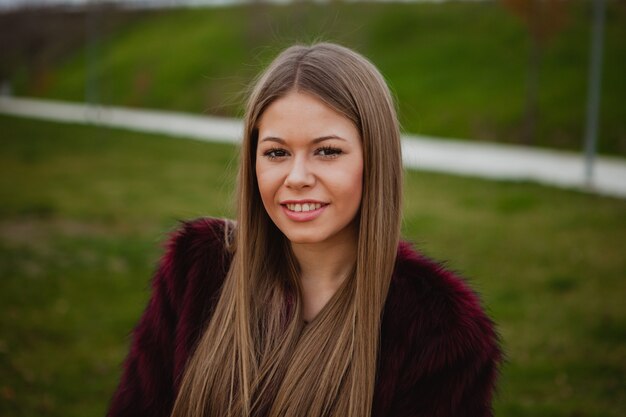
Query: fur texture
{"points": [[439, 353]]}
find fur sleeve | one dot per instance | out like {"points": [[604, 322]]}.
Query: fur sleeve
{"points": [[453, 354], [161, 339]]}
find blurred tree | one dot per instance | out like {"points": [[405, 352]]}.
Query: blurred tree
{"points": [[33, 40], [29, 40], [543, 20]]}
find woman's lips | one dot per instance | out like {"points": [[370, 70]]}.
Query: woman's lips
{"points": [[306, 215]]}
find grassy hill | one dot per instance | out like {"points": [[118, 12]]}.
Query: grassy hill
{"points": [[458, 69]]}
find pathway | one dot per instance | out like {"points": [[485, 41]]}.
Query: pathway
{"points": [[480, 159]]}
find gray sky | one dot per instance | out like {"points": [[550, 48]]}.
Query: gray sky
{"points": [[10, 4], [22, 3]]}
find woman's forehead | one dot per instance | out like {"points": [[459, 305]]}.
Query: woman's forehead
{"points": [[299, 116]]}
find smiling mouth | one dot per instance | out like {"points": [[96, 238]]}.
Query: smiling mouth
{"points": [[297, 207]]}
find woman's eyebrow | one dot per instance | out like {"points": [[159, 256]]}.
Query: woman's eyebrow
{"points": [[323, 138], [272, 139], [316, 140]]}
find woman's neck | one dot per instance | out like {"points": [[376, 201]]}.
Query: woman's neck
{"points": [[323, 267]]}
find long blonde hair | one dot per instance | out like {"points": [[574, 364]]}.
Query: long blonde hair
{"points": [[256, 357]]}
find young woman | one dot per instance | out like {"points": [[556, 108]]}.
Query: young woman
{"points": [[309, 304]]}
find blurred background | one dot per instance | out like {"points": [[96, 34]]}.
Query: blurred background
{"points": [[84, 208]]}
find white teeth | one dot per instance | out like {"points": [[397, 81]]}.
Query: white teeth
{"points": [[304, 207]]}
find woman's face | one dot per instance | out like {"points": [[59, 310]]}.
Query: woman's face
{"points": [[309, 167]]}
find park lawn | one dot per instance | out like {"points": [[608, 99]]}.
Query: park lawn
{"points": [[458, 69], [84, 211]]}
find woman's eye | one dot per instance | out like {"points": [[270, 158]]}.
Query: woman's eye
{"points": [[274, 153], [329, 151]]}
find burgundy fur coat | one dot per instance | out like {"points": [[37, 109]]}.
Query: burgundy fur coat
{"points": [[439, 353]]}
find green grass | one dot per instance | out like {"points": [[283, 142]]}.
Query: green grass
{"points": [[84, 211], [458, 69]]}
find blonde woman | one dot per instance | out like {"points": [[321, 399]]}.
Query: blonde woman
{"points": [[309, 304]]}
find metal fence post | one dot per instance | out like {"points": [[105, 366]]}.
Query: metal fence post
{"points": [[594, 86]]}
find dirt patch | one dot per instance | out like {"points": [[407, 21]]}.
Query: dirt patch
{"points": [[35, 231]]}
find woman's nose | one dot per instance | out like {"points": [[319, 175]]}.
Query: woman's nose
{"points": [[300, 174]]}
